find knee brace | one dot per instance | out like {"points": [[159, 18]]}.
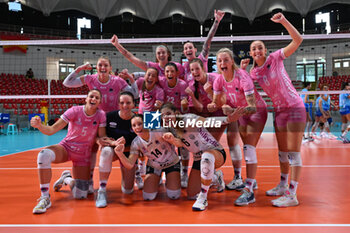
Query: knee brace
{"points": [[207, 166], [235, 152], [249, 152], [127, 191], [106, 158], [45, 158], [149, 196], [173, 194], [283, 156], [80, 189], [184, 153], [295, 159]]}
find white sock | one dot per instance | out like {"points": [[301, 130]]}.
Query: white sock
{"points": [[45, 190]]}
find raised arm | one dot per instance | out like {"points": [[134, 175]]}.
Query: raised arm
{"points": [[206, 46], [129, 163], [134, 60], [133, 87], [35, 122], [293, 32], [218, 102], [73, 80], [196, 104], [251, 108], [169, 137]]}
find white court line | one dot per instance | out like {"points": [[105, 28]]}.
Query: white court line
{"points": [[175, 225], [261, 166]]}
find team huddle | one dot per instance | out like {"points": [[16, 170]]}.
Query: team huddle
{"points": [[108, 125]]}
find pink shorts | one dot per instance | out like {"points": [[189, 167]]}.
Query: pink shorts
{"points": [[79, 158], [259, 117], [293, 114]]}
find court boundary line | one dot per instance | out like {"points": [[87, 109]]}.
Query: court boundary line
{"points": [[261, 166], [175, 225]]}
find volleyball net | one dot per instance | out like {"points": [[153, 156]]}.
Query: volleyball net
{"points": [[320, 59]]}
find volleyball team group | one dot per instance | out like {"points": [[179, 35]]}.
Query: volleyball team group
{"points": [[108, 125]]}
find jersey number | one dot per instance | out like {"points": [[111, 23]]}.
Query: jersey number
{"points": [[185, 142], [156, 153], [84, 131], [232, 97]]}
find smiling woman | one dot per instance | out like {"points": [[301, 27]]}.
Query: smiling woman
{"points": [[85, 124]]}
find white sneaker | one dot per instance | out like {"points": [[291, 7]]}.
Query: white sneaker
{"points": [[101, 200], [332, 136], [139, 182], [43, 204], [60, 182], [277, 191], [220, 183], [245, 198], [184, 179], [201, 203], [286, 200], [324, 135], [236, 184]]}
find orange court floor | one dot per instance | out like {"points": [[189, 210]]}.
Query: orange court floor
{"points": [[322, 192]]}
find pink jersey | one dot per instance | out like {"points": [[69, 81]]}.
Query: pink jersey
{"points": [[273, 78], [148, 98], [110, 90], [174, 94], [237, 89], [161, 73], [82, 129], [188, 77], [202, 94]]}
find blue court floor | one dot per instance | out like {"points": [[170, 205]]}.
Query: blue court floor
{"points": [[10, 144]]}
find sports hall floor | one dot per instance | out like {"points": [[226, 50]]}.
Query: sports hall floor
{"points": [[323, 194]]}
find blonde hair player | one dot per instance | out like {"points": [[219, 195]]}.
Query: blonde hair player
{"points": [[85, 124], [237, 86]]}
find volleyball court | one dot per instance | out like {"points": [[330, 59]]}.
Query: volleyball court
{"points": [[322, 190]]}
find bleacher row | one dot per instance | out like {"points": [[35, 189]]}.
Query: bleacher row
{"points": [[334, 83], [15, 84]]}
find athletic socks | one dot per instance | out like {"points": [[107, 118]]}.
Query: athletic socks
{"points": [[45, 188]]}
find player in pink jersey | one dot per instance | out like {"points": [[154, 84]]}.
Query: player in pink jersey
{"points": [[109, 85], [190, 49], [151, 95], [238, 88], [200, 94], [163, 57], [174, 88], [290, 115], [85, 124], [200, 89]]}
